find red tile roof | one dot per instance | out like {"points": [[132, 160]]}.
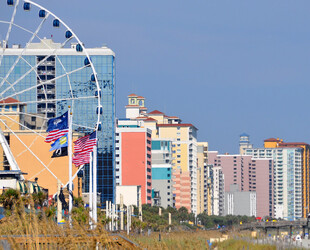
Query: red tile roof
{"points": [[141, 97], [156, 112], [132, 95], [272, 140], [9, 100], [150, 120], [133, 106], [174, 117]]}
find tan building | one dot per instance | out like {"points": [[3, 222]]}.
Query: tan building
{"points": [[202, 177], [30, 151]]}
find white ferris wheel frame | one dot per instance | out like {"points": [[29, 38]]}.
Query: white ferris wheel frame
{"points": [[67, 74]]}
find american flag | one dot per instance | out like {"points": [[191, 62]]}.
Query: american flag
{"points": [[55, 135], [82, 148]]}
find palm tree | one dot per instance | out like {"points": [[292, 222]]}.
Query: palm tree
{"points": [[9, 198]]}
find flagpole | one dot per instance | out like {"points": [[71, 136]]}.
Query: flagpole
{"points": [[95, 184], [90, 192], [70, 159]]}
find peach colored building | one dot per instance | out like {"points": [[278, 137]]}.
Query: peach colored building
{"points": [[182, 188]]}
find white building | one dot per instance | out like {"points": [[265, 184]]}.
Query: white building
{"points": [[218, 191], [287, 179]]}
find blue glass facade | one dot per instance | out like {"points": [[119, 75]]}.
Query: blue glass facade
{"points": [[84, 109]]}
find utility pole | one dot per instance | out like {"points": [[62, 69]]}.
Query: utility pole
{"points": [[90, 193], [122, 211], [70, 161], [59, 206], [94, 201], [169, 222]]}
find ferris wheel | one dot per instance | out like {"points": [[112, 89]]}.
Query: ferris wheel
{"points": [[44, 69]]}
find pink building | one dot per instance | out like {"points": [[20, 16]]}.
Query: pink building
{"points": [[182, 189], [133, 158], [250, 175]]}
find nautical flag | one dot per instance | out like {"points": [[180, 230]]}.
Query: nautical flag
{"points": [[60, 143], [82, 148], [57, 127], [60, 152]]}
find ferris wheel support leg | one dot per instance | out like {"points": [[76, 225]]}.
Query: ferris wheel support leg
{"points": [[8, 152]]}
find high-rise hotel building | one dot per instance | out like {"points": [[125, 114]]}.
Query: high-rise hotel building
{"points": [[288, 177], [60, 62]]}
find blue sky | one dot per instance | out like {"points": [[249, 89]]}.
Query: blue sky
{"points": [[226, 66]]}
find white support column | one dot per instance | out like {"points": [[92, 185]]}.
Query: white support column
{"points": [[122, 212], [90, 193], [107, 211], [110, 216], [128, 221], [95, 185], [116, 217], [113, 217], [70, 160]]}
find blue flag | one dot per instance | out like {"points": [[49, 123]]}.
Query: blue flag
{"points": [[60, 143], [58, 123]]}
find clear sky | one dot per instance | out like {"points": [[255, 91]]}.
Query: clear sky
{"points": [[226, 66]]}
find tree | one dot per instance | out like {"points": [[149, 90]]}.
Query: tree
{"points": [[39, 198], [10, 198]]}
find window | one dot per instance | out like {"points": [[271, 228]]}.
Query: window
{"points": [[14, 107], [168, 193], [178, 156], [168, 187], [178, 139]]}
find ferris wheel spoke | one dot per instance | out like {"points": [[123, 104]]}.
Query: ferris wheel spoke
{"points": [[33, 131], [34, 67], [38, 85], [17, 137], [9, 31], [24, 49]]}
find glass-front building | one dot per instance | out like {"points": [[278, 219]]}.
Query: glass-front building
{"points": [[48, 79]]}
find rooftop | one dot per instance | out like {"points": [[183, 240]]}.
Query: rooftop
{"points": [[156, 112], [9, 100], [272, 140]]}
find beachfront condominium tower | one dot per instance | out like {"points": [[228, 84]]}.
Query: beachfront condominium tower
{"points": [[288, 163]]}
